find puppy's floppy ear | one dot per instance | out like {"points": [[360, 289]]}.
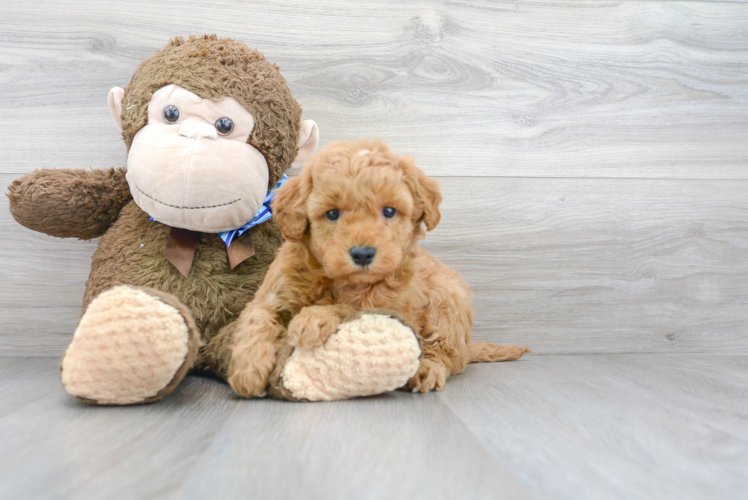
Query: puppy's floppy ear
{"points": [[288, 206], [425, 190]]}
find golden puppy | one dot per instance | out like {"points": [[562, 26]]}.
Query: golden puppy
{"points": [[352, 221]]}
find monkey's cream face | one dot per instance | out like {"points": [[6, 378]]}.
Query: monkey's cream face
{"points": [[191, 166]]}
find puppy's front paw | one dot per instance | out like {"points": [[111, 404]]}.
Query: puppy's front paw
{"points": [[250, 367], [312, 326], [431, 376]]}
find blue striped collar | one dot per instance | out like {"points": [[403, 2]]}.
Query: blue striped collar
{"points": [[263, 215]]}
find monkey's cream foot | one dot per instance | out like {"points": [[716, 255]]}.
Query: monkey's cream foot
{"points": [[133, 345], [369, 354]]}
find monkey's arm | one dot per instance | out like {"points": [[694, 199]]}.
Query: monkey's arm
{"points": [[69, 203]]}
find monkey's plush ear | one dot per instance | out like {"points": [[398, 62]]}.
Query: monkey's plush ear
{"points": [[115, 99], [426, 194], [307, 142], [288, 207]]}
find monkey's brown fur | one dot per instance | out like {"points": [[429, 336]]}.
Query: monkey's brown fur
{"points": [[214, 68], [88, 204], [69, 203]]}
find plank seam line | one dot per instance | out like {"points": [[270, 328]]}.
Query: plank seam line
{"points": [[700, 179]]}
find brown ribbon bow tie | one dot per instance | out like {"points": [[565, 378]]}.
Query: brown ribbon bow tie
{"points": [[182, 244]]}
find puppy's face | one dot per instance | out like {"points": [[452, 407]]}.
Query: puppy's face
{"points": [[359, 208], [360, 221]]}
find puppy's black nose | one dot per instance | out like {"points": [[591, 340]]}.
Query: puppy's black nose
{"points": [[363, 256]]}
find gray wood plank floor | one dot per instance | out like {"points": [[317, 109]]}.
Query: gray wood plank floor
{"points": [[592, 156], [569, 427], [583, 88], [560, 265]]}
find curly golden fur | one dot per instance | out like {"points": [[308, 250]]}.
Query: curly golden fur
{"points": [[315, 281]]}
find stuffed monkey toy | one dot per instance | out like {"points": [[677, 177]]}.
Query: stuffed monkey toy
{"points": [[186, 230]]}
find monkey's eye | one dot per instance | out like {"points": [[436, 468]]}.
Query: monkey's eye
{"points": [[224, 126], [389, 212], [332, 215], [171, 114]]}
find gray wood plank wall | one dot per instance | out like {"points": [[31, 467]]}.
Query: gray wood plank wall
{"points": [[593, 155]]}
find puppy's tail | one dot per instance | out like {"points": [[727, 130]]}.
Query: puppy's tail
{"points": [[482, 352]]}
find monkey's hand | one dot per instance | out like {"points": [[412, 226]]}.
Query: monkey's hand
{"points": [[69, 203]]}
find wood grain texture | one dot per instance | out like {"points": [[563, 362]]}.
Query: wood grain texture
{"points": [[568, 427], [37, 331], [550, 89], [56, 447], [593, 265], [633, 426], [594, 166], [392, 446], [561, 265]]}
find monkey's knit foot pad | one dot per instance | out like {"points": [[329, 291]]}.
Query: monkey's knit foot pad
{"points": [[131, 346], [369, 355]]}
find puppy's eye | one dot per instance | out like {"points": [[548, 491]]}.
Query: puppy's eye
{"points": [[389, 212], [171, 114], [224, 126], [332, 215]]}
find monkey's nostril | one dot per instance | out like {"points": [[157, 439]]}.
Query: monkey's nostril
{"points": [[363, 256]]}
